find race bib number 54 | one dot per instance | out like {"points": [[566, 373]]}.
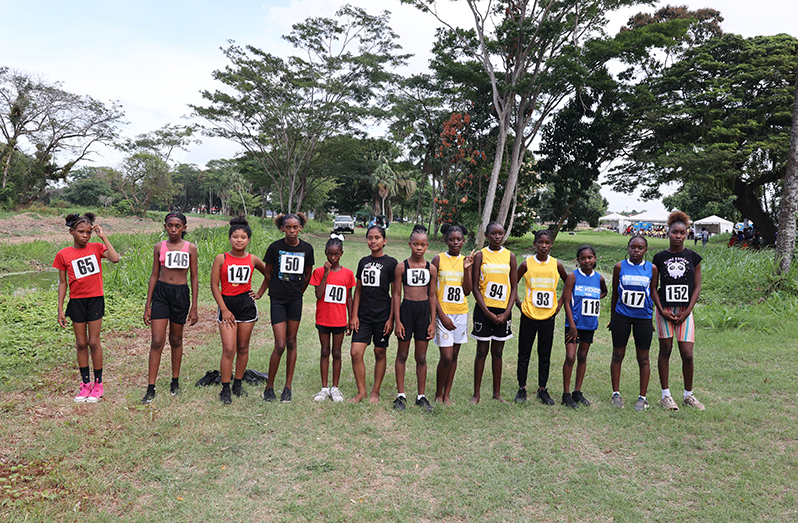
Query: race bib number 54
{"points": [[85, 266]]}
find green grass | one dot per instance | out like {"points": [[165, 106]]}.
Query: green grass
{"points": [[191, 459]]}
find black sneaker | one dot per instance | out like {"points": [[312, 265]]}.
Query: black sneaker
{"points": [[580, 398], [543, 396], [400, 403], [239, 391], [209, 378], [285, 397], [520, 396], [268, 394], [225, 396], [174, 389], [148, 396], [568, 401], [424, 403]]}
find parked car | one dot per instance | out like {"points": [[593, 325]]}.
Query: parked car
{"points": [[344, 224]]}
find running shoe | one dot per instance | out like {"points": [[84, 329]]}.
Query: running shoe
{"points": [[268, 394], [692, 401], [668, 403], [174, 389], [580, 398], [543, 396], [424, 403], [96, 393], [225, 397], [208, 379], [322, 395], [239, 391], [85, 392], [641, 404], [400, 403], [520, 396], [285, 397], [617, 402], [568, 401], [336, 395], [148, 397]]}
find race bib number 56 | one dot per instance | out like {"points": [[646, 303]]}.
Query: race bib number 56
{"points": [[370, 277], [85, 266]]}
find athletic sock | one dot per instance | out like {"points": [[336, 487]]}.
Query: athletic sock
{"points": [[419, 397], [226, 386], [616, 392], [175, 382], [401, 395], [151, 388], [642, 398], [666, 392], [325, 389], [236, 383], [98, 375], [84, 374], [687, 393]]}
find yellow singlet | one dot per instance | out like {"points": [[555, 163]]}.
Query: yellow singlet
{"points": [[494, 280], [540, 302], [450, 284]]}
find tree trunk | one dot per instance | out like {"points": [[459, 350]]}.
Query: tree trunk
{"points": [[789, 198], [516, 159], [512, 216], [490, 197]]}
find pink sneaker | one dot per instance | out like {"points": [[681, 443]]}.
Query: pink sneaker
{"points": [[85, 392], [96, 393]]}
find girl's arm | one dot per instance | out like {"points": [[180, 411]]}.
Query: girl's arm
{"points": [[321, 288], [654, 291], [433, 300], [308, 273], [193, 269], [62, 289], [259, 266], [563, 277], [445, 320], [396, 299], [475, 283], [513, 290], [468, 264], [349, 311], [693, 298], [396, 288], [110, 254], [267, 278], [354, 320], [156, 271], [567, 291], [228, 319], [616, 274], [521, 272], [602, 286]]}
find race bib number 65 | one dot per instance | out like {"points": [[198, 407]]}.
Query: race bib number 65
{"points": [[85, 266]]}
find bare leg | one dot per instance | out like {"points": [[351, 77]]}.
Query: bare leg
{"points": [[337, 341], [645, 370], [421, 366], [581, 364], [450, 378], [496, 350], [279, 331], [663, 361], [380, 363], [290, 345], [400, 366], [568, 367], [483, 347], [618, 354], [443, 372], [242, 348], [158, 329], [229, 337], [686, 351], [176, 346], [359, 370], [324, 363]]}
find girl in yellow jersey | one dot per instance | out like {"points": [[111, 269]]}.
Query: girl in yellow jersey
{"points": [[541, 274], [454, 285], [495, 282]]}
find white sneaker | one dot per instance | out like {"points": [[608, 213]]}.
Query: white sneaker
{"points": [[336, 395], [85, 392], [321, 395]]}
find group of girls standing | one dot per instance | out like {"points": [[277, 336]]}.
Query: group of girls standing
{"points": [[418, 300]]}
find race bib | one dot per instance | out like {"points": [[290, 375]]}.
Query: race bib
{"points": [[335, 294], [238, 274], [370, 277], [417, 277], [176, 260], [590, 307], [496, 291], [85, 266], [292, 264], [676, 294], [543, 299], [453, 294], [634, 299]]}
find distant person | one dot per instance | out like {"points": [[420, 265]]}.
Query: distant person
{"points": [[80, 268], [704, 236]]}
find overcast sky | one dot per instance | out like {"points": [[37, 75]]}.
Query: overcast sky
{"points": [[155, 56]]}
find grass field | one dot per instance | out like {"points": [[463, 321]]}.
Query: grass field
{"points": [[189, 458]]}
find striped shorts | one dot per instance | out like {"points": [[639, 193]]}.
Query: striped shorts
{"points": [[685, 332]]}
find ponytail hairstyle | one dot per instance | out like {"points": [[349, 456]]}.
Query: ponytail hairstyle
{"points": [[239, 223], [281, 218], [73, 220], [676, 217], [418, 229], [448, 228], [179, 215]]}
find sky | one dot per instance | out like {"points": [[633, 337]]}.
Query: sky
{"points": [[154, 57]]}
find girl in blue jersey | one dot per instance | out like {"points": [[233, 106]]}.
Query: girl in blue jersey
{"points": [[584, 288], [632, 309]]}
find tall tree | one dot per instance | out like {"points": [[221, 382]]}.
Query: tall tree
{"points": [[162, 142], [144, 179], [785, 249], [279, 110]]}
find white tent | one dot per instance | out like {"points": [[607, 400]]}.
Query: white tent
{"points": [[616, 220], [714, 224], [654, 217]]}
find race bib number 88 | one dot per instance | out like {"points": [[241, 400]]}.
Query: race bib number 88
{"points": [[452, 294], [85, 266]]}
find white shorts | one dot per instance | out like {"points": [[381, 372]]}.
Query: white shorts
{"points": [[447, 338]]}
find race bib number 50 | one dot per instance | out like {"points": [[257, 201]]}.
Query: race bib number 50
{"points": [[85, 266], [292, 264]]}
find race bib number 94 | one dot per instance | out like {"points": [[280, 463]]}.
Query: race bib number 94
{"points": [[453, 294], [85, 266], [634, 299], [543, 299], [335, 294], [676, 294], [370, 277], [238, 274], [496, 291], [176, 260], [292, 264]]}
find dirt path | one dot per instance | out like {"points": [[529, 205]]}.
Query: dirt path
{"points": [[30, 226]]}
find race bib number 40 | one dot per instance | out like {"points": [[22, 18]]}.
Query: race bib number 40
{"points": [[634, 299], [238, 274], [676, 294], [335, 294], [453, 294], [292, 264], [176, 260], [370, 277], [85, 266], [590, 307], [496, 291], [543, 299], [417, 277]]}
